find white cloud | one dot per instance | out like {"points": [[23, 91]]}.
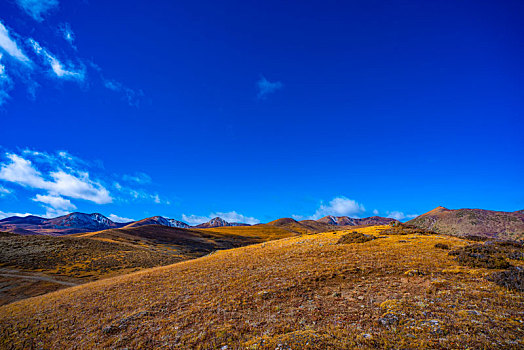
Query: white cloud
{"points": [[4, 215], [231, 216], [10, 46], [55, 202], [140, 178], [375, 212], [398, 215], [339, 206], [74, 185], [59, 69], [116, 218], [132, 97], [265, 87], [37, 8]]}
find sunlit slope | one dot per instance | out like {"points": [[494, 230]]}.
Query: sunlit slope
{"points": [[34, 265], [304, 292]]}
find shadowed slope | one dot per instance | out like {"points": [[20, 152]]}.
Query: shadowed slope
{"points": [[302, 227]]}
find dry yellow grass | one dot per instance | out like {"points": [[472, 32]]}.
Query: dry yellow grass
{"points": [[304, 292]]}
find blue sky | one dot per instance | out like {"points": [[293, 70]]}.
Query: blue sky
{"points": [[255, 110]]}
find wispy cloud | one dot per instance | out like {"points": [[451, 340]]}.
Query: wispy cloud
{"points": [[140, 178], [67, 34], [231, 216], [10, 46], [121, 219], [133, 97], [58, 68], [266, 87], [338, 206], [27, 70], [4, 191], [5, 83], [37, 8]]}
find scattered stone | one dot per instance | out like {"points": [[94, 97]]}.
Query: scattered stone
{"points": [[414, 273], [110, 329], [388, 319]]}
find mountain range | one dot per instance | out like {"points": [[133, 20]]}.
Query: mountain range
{"points": [[81, 222], [459, 222]]}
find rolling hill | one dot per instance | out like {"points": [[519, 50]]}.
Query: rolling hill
{"points": [[473, 222], [32, 265], [316, 291], [302, 227]]}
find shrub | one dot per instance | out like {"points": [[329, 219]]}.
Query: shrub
{"points": [[512, 278], [442, 246], [355, 237], [481, 255]]}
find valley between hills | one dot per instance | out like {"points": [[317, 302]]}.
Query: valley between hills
{"points": [[447, 279]]}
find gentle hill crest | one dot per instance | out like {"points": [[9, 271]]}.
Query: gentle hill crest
{"points": [[473, 222]]}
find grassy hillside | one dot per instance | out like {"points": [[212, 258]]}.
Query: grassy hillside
{"points": [[302, 227], [187, 243], [303, 292], [34, 265], [473, 222]]}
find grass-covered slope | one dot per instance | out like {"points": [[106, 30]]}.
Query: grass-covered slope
{"points": [[304, 292], [34, 265]]}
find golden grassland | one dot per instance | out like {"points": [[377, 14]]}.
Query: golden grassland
{"points": [[91, 256], [303, 292]]}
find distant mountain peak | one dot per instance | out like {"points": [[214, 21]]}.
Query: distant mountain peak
{"points": [[159, 220], [348, 221], [219, 222]]}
